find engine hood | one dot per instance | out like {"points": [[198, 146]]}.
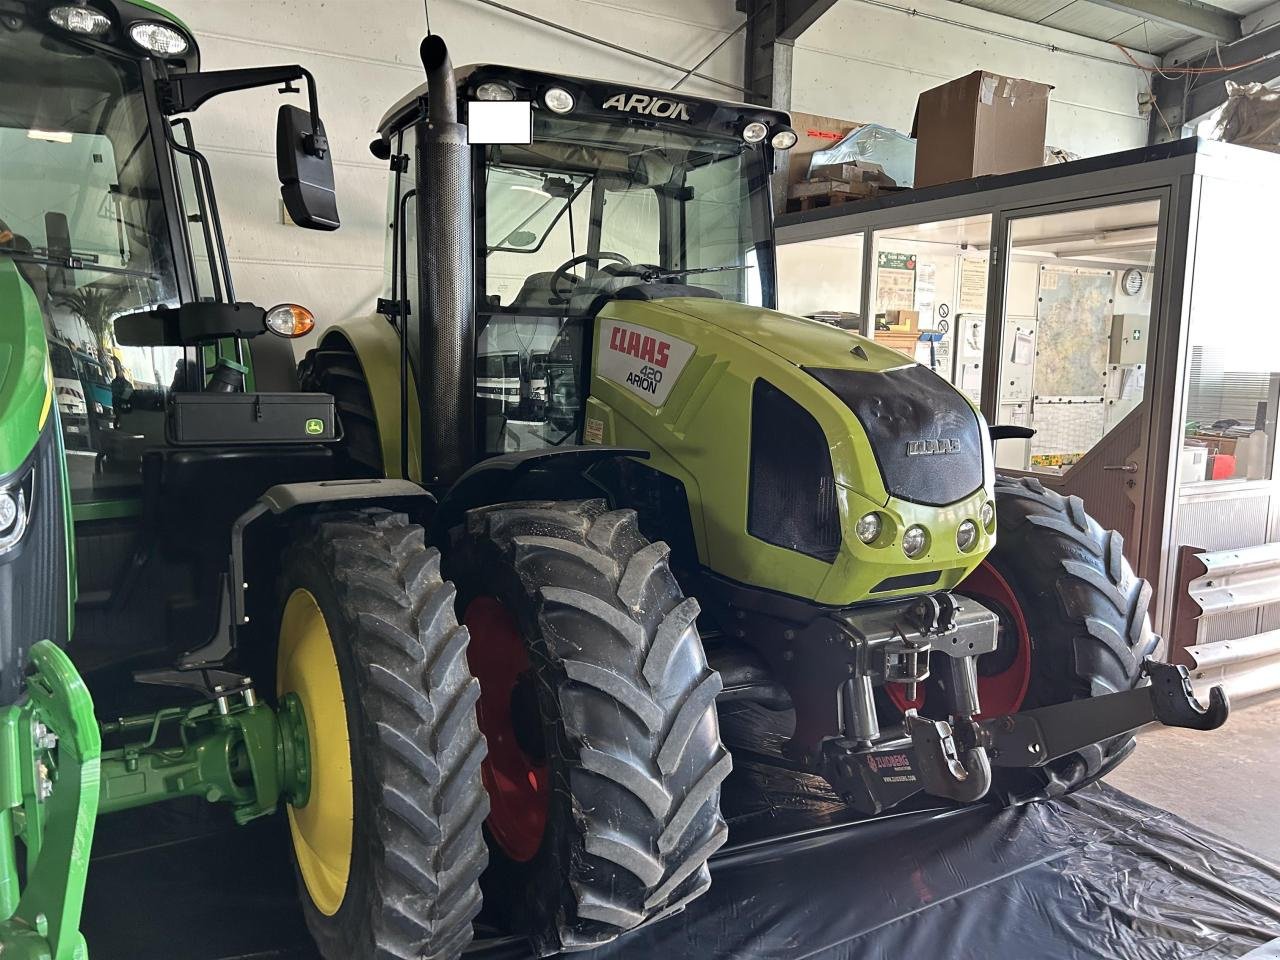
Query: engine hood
{"points": [[806, 343]]}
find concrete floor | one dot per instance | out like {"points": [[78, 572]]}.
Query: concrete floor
{"points": [[1227, 781]]}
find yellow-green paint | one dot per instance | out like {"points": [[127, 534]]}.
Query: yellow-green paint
{"points": [[700, 436], [377, 348]]}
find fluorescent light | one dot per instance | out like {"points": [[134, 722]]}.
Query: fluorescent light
{"points": [[53, 136]]}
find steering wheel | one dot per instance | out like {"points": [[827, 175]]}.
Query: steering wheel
{"points": [[563, 274]]}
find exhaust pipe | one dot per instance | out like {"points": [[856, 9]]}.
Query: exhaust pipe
{"points": [[446, 288]]}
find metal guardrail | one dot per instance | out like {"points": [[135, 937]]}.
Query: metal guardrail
{"points": [[1236, 580], [1245, 668], [1213, 583]]}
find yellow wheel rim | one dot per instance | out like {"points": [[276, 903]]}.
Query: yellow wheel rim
{"points": [[322, 828]]}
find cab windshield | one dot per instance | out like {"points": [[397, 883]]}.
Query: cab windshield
{"points": [[82, 221], [591, 205]]}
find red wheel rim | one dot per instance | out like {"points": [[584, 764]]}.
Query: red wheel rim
{"points": [[1002, 692], [518, 784]]}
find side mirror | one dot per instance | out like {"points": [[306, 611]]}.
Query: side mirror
{"points": [[190, 324], [306, 173]]}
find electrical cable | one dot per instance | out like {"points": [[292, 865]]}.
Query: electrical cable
{"points": [[1196, 71], [714, 50], [426, 14]]}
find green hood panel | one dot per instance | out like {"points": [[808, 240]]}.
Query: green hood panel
{"points": [[25, 397], [676, 377], [806, 343]]}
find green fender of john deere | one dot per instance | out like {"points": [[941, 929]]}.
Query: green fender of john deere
{"points": [[26, 385], [377, 348], [701, 433]]}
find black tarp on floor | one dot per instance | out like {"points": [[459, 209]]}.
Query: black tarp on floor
{"points": [[1098, 875]]}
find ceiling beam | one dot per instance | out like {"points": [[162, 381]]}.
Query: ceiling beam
{"points": [[1184, 98], [1199, 18]]}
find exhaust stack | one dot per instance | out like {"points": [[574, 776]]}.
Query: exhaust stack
{"points": [[446, 288]]}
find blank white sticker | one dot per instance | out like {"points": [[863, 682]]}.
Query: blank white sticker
{"points": [[499, 121]]}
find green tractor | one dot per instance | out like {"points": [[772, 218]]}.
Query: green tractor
{"points": [[429, 595]]}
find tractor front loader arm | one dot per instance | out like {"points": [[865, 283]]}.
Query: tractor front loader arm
{"points": [[49, 782]]}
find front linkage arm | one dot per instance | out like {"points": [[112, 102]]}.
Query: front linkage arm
{"points": [[1035, 737], [953, 760]]}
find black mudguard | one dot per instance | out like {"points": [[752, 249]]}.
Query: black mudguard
{"points": [[550, 473]]}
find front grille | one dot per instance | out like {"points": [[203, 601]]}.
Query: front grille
{"points": [[33, 575], [792, 500], [927, 440]]}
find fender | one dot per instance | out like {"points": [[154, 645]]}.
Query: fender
{"points": [[551, 473], [289, 499], [376, 345]]}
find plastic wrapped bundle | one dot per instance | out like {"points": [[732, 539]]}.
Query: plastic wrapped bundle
{"points": [[1250, 117], [895, 152]]}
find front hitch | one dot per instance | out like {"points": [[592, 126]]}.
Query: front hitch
{"points": [[1035, 737], [953, 760]]}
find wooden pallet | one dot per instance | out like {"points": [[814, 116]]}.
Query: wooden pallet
{"points": [[834, 198]]}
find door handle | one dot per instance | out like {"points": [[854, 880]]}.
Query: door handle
{"points": [[1122, 467]]}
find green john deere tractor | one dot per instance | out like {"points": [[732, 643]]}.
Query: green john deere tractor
{"points": [[482, 516]]}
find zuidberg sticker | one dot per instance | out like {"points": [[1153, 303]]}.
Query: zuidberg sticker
{"points": [[593, 432], [642, 361]]}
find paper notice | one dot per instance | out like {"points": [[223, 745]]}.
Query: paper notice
{"points": [[973, 286]]}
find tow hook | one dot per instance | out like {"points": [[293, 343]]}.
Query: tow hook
{"points": [[960, 773]]}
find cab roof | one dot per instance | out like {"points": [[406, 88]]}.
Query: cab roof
{"points": [[530, 83]]}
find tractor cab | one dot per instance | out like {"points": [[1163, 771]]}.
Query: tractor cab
{"points": [[587, 192]]}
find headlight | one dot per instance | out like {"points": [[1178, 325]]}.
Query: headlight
{"points": [[97, 407], [159, 39], [754, 132], [13, 516], [784, 140], [493, 90], [966, 535], [988, 516], [558, 100], [868, 527], [83, 20], [914, 541]]}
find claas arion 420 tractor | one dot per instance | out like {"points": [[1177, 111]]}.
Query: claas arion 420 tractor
{"points": [[495, 554]]}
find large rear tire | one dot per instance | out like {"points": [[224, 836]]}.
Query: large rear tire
{"points": [[1065, 591], [389, 845], [606, 759], [335, 369]]}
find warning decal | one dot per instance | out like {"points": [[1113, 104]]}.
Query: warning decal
{"points": [[643, 361]]}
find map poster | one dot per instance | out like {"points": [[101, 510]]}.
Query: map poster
{"points": [[896, 281]]}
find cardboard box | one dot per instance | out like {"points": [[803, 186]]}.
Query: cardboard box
{"points": [[815, 133], [978, 125], [824, 188], [854, 171]]}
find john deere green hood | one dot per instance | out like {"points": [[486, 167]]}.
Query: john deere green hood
{"points": [[25, 390]]}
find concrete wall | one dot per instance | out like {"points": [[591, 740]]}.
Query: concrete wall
{"points": [[363, 54], [865, 62]]}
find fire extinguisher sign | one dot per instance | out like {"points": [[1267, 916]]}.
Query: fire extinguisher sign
{"points": [[642, 361]]}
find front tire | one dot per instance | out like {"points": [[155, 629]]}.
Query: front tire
{"points": [[606, 762], [1066, 593], [388, 846]]}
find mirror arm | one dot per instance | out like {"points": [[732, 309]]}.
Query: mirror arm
{"points": [[183, 93]]}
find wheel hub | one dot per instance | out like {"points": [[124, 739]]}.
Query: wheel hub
{"points": [[321, 825], [515, 770]]}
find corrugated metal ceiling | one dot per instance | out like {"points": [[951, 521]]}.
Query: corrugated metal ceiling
{"points": [[1088, 19]]}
